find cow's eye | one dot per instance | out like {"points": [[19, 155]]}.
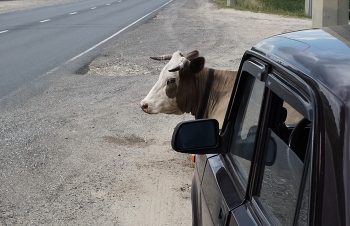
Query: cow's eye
{"points": [[170, 80]]}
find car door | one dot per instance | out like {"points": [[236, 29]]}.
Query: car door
{"points": [[262, 174], [269, 154], [224, 186]]}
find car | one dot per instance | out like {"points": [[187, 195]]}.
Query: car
{"points": [[282, 156]]}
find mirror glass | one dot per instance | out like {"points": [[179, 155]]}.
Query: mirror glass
{"points": [[197, 134]]}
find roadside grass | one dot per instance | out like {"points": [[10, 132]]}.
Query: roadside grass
{"points": [[280, 7]]}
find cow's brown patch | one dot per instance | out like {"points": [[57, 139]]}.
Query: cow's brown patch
{"points": [[192, 55], [190, 90], [171, 90]]}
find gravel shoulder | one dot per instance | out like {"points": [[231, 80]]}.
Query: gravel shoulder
{"points": [[81, 151]]}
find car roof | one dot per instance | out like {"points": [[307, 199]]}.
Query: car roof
{"points": [[322, 54]]}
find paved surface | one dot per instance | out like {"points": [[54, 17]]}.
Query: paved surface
{"points": [[41, 39]]}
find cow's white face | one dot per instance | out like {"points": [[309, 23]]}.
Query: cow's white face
{"points": [[162, 96]]}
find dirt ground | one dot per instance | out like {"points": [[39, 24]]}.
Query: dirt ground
{"points": [[81, 151]]}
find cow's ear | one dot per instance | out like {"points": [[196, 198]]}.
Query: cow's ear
{"points": [[192, 55], [197, 64]]}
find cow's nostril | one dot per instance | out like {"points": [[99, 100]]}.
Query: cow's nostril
{"points": [[144, 106]]}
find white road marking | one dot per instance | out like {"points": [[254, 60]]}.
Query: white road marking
{"points": [[93, 7], [73, 13], [112, 36], [4, 31], [108, 4], [43, 21], [119, 1]]}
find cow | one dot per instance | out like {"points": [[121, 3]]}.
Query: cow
{"points": [[186, 86]]}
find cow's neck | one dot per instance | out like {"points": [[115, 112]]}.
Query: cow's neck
{"points": [[220, 94], [190, 92], [190, 95], [203, 103]]}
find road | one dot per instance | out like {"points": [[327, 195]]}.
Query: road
{"points": [[34, 42]]}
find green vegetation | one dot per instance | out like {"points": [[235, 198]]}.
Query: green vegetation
{"points": [[282, 7]]}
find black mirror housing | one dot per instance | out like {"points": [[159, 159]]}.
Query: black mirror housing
{"points": [[197, 137]]}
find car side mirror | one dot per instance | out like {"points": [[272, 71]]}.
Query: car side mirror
{"points": [[197, 137]]}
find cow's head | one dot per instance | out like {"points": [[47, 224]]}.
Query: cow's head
{"points": [[174, 84]]}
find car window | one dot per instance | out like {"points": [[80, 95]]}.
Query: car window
{"points": [[244, 134], [293, 117], [282, 180], [304, 204]]}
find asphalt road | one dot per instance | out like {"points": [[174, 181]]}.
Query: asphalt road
{"points": [[34, 42]]}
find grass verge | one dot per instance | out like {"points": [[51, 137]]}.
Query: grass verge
{"points": [[280, 7]]}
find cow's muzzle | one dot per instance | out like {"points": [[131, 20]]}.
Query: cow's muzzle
{"points": [[144, 107]]}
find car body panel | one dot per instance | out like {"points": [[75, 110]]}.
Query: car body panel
{"points": [[322, 58], [311, 68], [315, 53], [241, 217]]}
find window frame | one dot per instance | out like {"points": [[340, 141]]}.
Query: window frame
{"points": [[299, 89], [236, 129], [258, 69], [257, 172]]}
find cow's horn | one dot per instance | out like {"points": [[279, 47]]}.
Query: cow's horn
{"points": [[183, 63], [163, 57]]}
